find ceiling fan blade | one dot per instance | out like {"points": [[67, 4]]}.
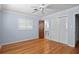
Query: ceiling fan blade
{"points": [[34, 11]]}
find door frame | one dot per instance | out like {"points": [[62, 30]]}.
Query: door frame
{"points": [[41, 35]]}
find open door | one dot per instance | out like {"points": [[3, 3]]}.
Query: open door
{"points": [[41, 29], [76, 29]]}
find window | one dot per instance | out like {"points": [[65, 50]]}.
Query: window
{"points": [[25, 24]]}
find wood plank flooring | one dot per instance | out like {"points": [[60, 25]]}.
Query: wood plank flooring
{"points": [[0, 50], [39, 46]]}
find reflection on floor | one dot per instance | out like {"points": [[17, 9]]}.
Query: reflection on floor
{"points": [[39, 46]]}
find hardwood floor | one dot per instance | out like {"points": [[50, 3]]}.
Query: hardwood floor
{"points": [[39, 46], [0, 48]]}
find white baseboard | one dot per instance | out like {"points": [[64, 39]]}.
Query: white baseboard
{"points": [[63, 43], [71, 45], [16, 41]]}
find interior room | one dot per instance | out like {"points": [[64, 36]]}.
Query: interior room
{"points": [[39, 28]]}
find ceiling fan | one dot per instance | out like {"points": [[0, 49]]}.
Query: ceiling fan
{"points": [[40, 8]]}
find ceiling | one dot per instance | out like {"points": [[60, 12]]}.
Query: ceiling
{"points": [[29, 8]]}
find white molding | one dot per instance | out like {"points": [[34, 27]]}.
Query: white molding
{"points": [[71, 45], [18, 41]]}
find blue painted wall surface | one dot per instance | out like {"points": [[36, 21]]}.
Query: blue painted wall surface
{"points": [[1, 25], [11, 33], [70, 13]]}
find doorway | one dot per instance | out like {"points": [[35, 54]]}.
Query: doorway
{"points": [[76, 29], [41, 29]]}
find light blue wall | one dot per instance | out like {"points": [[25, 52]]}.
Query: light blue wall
{"points": [[48, 31], [11, 33], [70, 13], [1, 26]]}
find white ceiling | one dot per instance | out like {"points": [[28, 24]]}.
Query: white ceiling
{"points": [[28, 8], [0, 7]]}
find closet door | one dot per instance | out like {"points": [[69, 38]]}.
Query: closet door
{"points": [[62, 31]]}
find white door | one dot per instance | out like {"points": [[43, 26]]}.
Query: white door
{"points": [[62, 30]]}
